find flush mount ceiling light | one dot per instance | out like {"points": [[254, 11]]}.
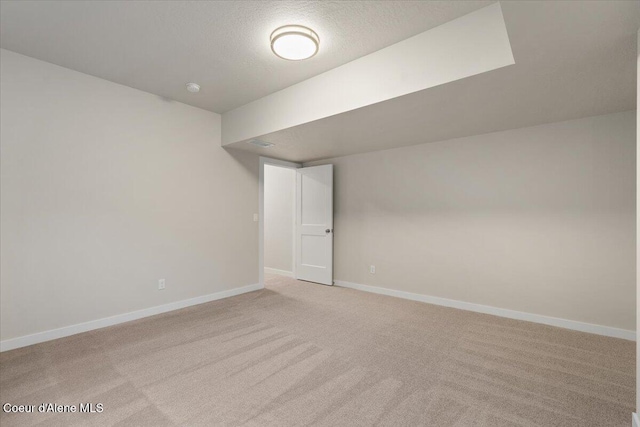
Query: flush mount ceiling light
{"points": [[294, 42], [193, 87]]}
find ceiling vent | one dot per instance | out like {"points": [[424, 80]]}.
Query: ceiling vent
{"points": [[261, 144]]}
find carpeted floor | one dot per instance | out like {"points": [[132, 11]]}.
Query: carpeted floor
{"points": [[298, 353]]}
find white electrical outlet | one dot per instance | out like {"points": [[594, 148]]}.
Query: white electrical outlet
{"points": [[161, 284], [372, 269]]}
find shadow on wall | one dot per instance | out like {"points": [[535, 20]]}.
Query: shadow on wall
{"points": [[249, 161]]}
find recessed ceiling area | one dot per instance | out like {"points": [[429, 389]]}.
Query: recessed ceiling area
{"points": [[572, 59], [159, 46]]}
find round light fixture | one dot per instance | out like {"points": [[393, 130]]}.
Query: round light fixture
{"points": [[193, 87], [294, 42]]}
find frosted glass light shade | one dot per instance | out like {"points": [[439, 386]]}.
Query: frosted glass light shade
{"points": [[294, 42]]}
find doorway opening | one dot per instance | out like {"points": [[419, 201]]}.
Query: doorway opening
{"points": [[277, 217], [279, 220], [296, 221]]}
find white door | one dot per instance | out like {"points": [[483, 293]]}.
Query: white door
{"points": [[314, 224]]}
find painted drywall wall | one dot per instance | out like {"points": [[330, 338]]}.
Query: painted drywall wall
{"points": [[279, 198], [106, 189], [539, 220]]}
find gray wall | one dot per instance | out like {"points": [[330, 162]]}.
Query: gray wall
{"points": [[105, 190], [539, 220], [279, 197]]}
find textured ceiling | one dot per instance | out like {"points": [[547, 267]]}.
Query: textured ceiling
{"points": [[224, 46], [573, 59]]}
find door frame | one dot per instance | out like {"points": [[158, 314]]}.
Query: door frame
{"points": [[284, 164]]}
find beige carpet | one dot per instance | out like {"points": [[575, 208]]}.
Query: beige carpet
{"points": [[299, 353]]}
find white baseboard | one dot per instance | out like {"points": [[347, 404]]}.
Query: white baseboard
{"points": [[53, 334], [635, 420], [503, 312], [278, 272]]}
